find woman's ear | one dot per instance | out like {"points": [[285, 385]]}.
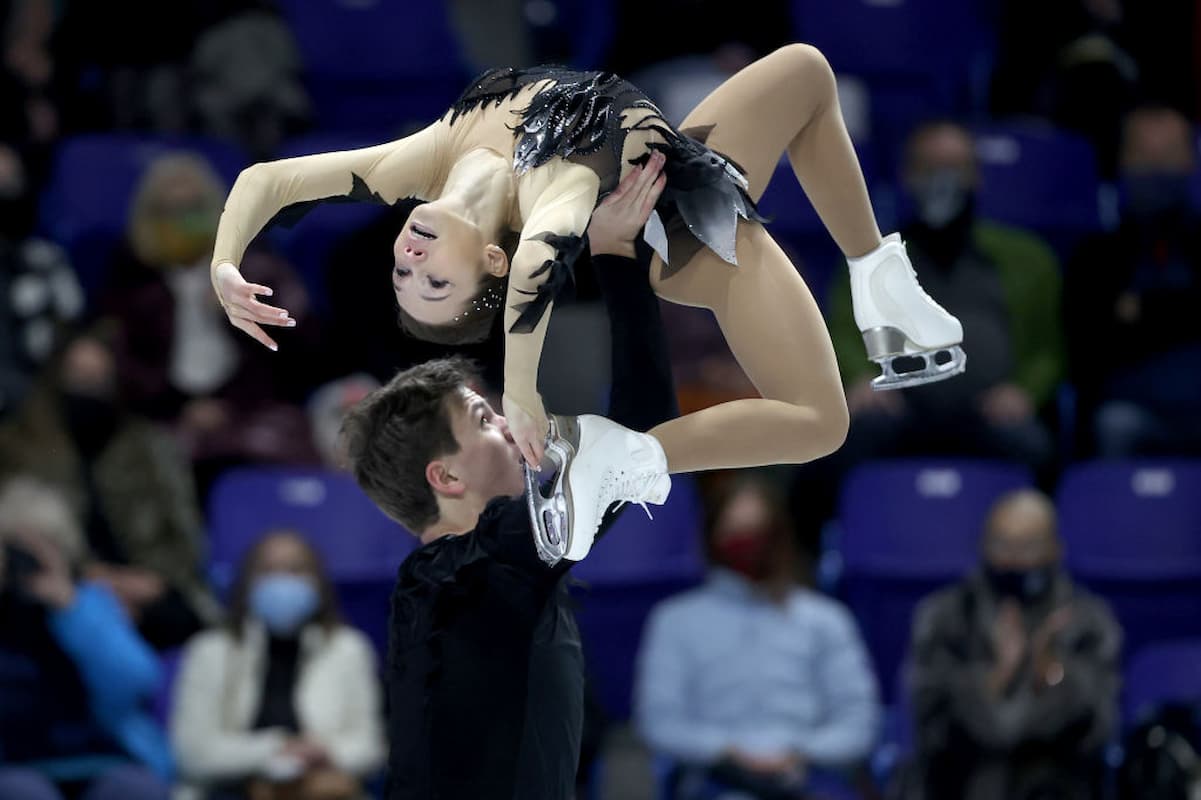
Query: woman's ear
{"points": [[496, 261]]}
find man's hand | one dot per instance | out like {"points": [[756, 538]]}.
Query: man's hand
{"points": [[51, 586], [788, 765], [1009, 644], [1048, 668], [618, 220]]}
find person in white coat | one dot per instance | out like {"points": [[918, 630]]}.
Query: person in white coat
{"points": [[284, 700]]}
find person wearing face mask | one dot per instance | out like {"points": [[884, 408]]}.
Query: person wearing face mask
{"points": [[1002, 283], [127, 482], [178, 360], [283, 702], [1013, 672], [752, 682], [1134, 359]]}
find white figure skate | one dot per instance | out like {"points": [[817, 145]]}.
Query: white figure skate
{"points": [[911, 337], [597, 463]]}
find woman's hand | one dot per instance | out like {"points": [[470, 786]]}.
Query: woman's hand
{"points": [[528, 425], [242, 306], [618, 220]]}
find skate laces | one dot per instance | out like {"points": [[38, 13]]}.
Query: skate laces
{"points": [[627, 487]]}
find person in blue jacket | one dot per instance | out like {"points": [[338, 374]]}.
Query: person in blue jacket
{"points": [[75, 676]]}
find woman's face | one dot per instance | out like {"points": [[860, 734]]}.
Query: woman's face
{"points": [[439, 262], [284, 554]]}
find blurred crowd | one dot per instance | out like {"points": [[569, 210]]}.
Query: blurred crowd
{"points": [[125, 395]]}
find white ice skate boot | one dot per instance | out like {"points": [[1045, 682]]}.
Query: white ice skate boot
{"points": [[909, 335], [597, 463]]}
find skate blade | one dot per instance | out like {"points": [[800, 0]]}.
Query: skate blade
{"points": [[931, 372], [549, 504]]}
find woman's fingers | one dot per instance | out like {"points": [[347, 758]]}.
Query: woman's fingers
{"points": [[254, 332], [264, 314]]}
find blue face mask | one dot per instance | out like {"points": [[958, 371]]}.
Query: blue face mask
{"points": [[283, 602]]}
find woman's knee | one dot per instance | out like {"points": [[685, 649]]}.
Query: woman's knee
{"points": [[808, 66], [835, 423]]}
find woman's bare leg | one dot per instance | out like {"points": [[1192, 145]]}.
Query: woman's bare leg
{"points": [[785, 102], [776, 332]]}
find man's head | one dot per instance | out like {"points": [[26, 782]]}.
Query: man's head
{"points": [[430, 451], [940, 172], [1021, 548], [1158, 157]]}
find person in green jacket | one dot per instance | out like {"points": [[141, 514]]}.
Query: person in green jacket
{"points": [[1003, 284]]}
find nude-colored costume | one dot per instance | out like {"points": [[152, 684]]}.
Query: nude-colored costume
{"points": [[783, 103]]}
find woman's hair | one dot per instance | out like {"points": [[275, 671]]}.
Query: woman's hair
{"points": [[779, 521], [30, 506], [471, 327], [164, 173], [328, 613]]}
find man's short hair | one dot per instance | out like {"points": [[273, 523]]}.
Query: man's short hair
{"points": [[397, 430]]}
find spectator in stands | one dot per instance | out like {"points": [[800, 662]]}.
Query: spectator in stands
{"points": [[128, 483], [328, 406], [75, 673], [1085, 63], [1014, 671], [1135, 360], [1001, 282], [39, 293], [752, 681], [230, 399], [284, 701]]}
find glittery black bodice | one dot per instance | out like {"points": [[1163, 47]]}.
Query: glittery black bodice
{"points": [[578, 117]]}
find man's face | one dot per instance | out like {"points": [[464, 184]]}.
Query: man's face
{"points": [[488, 462], [1020, 538]]}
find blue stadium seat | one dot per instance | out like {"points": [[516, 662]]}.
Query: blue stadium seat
{"points": [[638, 563], [908, 527], [1039, 178], [361, 547], [85, 204], [353, 536], [1161, 673], [921, 58], [1133, 533], [900, 37], [377, 65]]}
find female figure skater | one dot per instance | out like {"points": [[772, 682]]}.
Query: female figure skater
{"points": [[534, 151]]}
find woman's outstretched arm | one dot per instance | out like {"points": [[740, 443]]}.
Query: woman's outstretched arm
{"points": [[384, 173]]}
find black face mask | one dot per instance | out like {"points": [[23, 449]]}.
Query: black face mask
{"points": [[91, 420], [1026, 586]]}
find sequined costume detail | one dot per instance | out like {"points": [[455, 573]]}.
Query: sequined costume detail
{"points": [[578, 117]]}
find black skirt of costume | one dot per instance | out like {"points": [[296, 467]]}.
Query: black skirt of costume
{"points": [[578, 118]]}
